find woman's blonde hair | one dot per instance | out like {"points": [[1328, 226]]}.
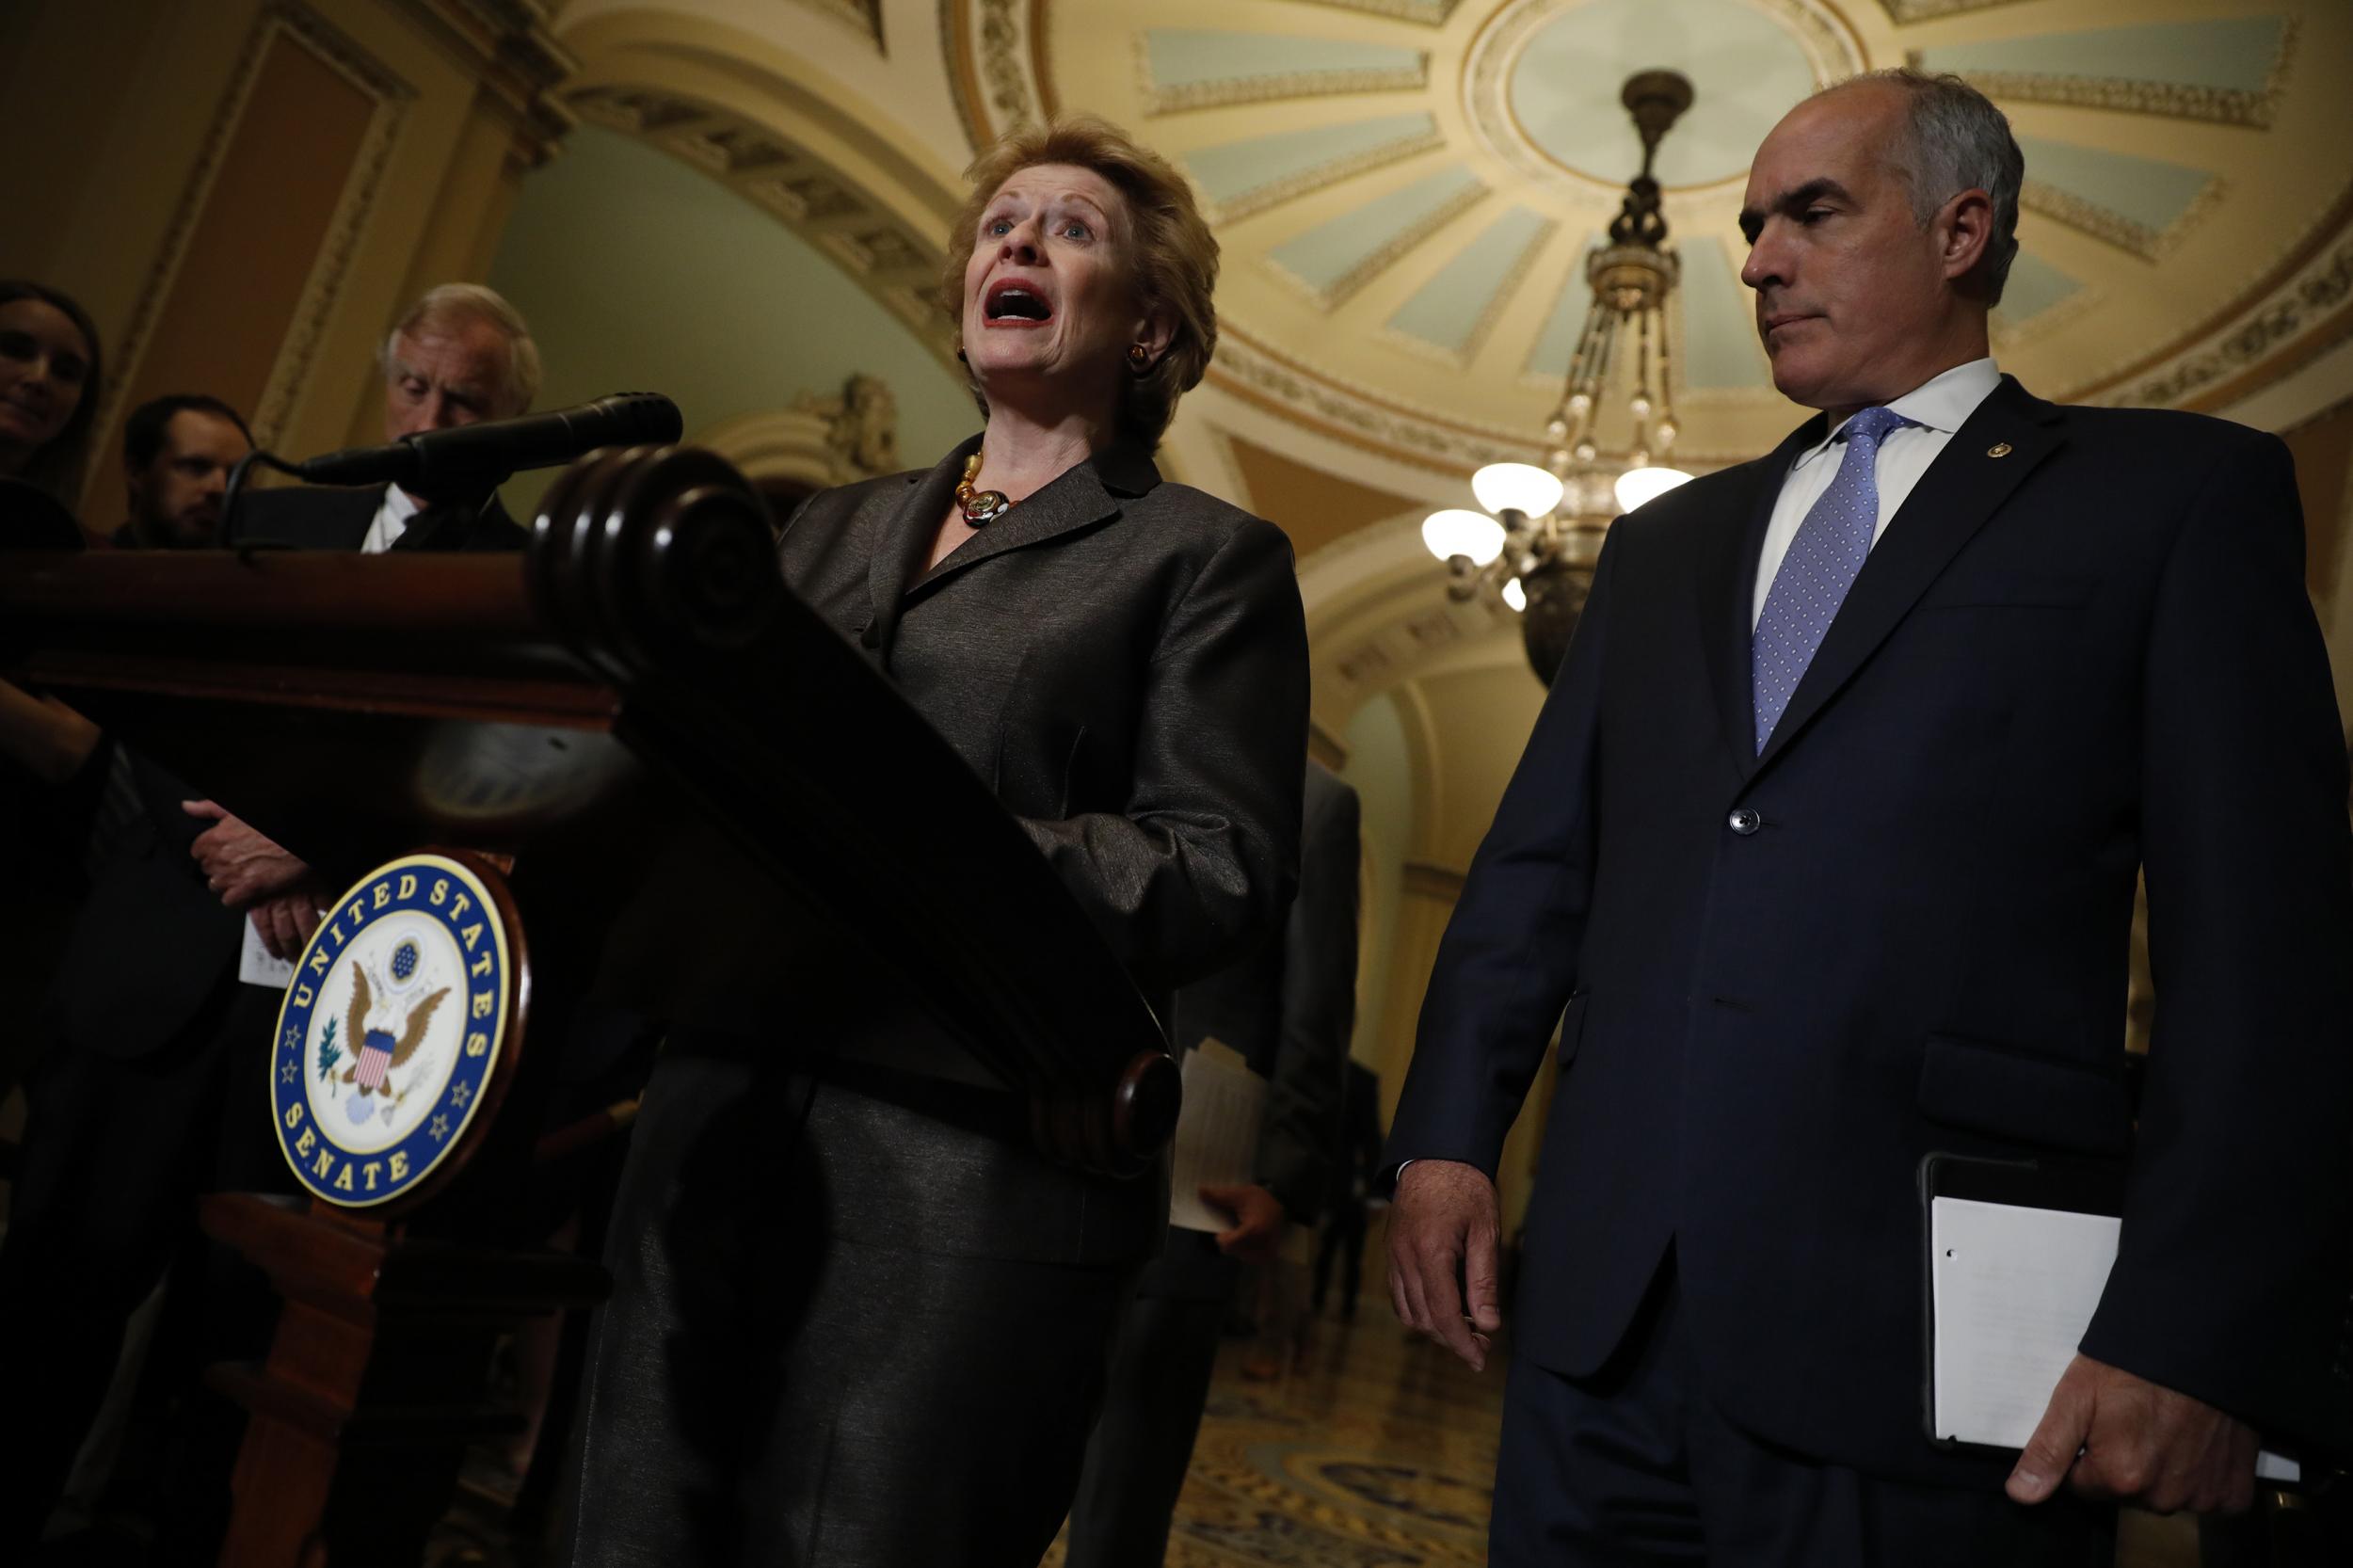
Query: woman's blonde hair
{"points": [[1173, 256]]}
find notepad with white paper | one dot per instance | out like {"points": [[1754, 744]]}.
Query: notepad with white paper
{"points": [[2012, 1290], [1217, 1133]]}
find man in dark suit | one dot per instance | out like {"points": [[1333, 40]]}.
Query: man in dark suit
{"points": [[1827, 839], [1289, 1009], [459, 354]]}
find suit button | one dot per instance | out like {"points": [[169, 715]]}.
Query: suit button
{"points": [[1744, 822]]}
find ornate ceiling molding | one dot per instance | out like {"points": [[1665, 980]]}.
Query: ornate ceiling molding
{"points": [[1331, 296], [1178, 97], [519, 60], [992, 65], [863, 16], [1432, 12], [1274, 193], [1905, 12], [2312, 307], [886, 256], [2221, 105], [2150, 245]]}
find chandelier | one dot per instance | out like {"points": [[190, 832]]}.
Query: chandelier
{"points": [[1532, 544]]}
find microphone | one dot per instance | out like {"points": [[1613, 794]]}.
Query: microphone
{"points": [[444, 465]]}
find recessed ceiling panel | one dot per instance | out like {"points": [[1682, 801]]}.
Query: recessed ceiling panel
{"points": [[1451, 312], [1718, 342], [1192, 68], [1336, 257], [1246, 176], [1746, 69]]}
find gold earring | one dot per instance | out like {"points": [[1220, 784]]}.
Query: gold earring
{"points": [[1139, 359]]}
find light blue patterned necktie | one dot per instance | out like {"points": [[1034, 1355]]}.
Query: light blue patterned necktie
{"points": [[1818, 569]]}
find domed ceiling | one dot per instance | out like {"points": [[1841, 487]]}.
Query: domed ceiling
{"points": [[1405, 188]]}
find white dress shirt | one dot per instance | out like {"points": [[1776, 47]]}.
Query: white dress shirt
{"points": [[392, 520], [1936, 409]]}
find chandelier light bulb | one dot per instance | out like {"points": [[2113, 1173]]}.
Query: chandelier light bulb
{"points": [[1516, 486], [1638, 485], [1459, 531], [1516, 596]]}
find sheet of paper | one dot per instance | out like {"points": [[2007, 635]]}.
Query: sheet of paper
{"points": [[2014, 1290], [1217, 1133], [255, 967]]}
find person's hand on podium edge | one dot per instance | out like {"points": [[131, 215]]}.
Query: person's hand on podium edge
{"points": [[285, 920], [1444, 1227], [1258, 1232], [240, 865], [2119, 1438]]}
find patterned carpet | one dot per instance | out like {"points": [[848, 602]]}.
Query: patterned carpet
{"points": [[1378, 1452]]}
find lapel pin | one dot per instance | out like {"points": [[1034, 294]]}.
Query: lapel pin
{"points": [[1999, 449]]}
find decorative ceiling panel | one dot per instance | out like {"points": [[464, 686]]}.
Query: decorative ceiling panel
{"points": [[2033, 288], [1187, 68], [1717, 341], [1401, 187], [1453, 312], [1548, 356], [1243, 177], [2142, 204], [2228, 68], [1338, 256]]}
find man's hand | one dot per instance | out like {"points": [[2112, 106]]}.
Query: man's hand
{"points": [[240, 865], [1444, 1220], [285, 922], [1258, 1232], [2114, 1437]]}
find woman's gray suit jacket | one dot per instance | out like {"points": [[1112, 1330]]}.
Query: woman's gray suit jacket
{"points": [[1123, 662]]}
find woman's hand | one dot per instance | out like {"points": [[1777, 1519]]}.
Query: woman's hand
{"points": [[1258, 1232]]}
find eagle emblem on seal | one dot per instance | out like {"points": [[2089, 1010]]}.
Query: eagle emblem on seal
{"points": [[389, 1022]]}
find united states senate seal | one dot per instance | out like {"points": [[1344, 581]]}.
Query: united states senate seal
{"points": [[392, 1031]]}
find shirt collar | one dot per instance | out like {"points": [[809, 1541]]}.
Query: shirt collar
{"points": [[1941, 403], [399, 505]]}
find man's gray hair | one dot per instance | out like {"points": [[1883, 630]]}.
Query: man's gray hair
{"points": [[455, 303], [1955, 139]]}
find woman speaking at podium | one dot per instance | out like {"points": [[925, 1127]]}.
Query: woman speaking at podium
{"points": [[858, 1319]]}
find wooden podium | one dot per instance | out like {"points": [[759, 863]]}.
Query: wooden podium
{"points": [[535, 729]]}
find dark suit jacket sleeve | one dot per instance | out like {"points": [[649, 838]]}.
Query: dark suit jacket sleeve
{"points": [[1202, 861], [1508, 960], [1301, 1135], [2230, 1282]]}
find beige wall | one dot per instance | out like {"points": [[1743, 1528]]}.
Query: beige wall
{"points": [[243, 194]]}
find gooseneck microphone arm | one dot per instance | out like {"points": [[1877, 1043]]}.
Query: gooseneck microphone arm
{"points": [[473, 457], [234, 491], [471, 460]]}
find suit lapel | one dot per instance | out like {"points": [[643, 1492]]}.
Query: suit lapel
{"points": [[1081, 496], [903, 537], [354, 513], [1727, 580], [1961, 489]]}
